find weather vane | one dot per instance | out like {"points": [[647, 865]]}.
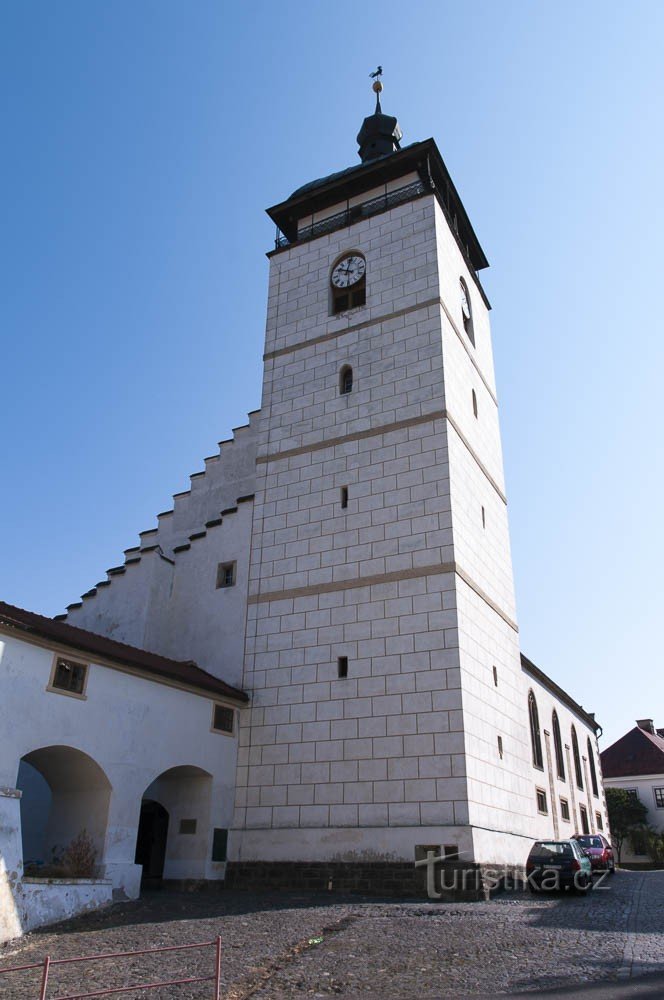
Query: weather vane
{"points": [[377, 87]]}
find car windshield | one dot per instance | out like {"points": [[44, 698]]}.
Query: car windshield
{"points": [[552, 849], [590, 841]]}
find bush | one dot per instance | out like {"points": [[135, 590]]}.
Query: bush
{"points": [[77, 860]]}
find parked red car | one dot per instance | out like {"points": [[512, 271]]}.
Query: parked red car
{"points": [[599, 851]]}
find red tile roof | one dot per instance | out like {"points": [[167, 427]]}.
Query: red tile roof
{"points": [[637, 752], [183, 672]]}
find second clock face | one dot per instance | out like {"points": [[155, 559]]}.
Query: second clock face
{"points": [[348, 271]]}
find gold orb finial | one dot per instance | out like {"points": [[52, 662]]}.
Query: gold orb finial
{"points": [[377, 87]]}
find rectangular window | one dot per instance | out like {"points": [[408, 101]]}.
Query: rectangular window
{"points": [[500, 747], [219, 844], [633, 792], [598, 821], [188, 826], [659, 797], [69, 676], [223, 719], [541, 801], [344, 497], [564, 810], [342, 666], [584, 819], [226, 575]]}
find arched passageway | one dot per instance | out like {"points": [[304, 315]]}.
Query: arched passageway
{"points": [[174, 827], [65, 793]]}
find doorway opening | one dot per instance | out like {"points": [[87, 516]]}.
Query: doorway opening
{"points": [[151, 842]]}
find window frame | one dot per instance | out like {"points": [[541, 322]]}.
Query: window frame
{"points": [[344, 372], [564, 807], [658, 795], [578, 770], [542, 792], [535, 733], [354, 296], [467, 321], [56, 689], [221, 568], [229, 708], [593, 770], [558, 746]]}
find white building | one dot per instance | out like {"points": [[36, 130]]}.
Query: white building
{"points": [[345, 559], [636, 762], [137, 750]]}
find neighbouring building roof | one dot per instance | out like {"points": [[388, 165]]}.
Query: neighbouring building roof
{"points": [[560, 693], [182, 672], [640, 751]]}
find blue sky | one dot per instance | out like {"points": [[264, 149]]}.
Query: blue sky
{"points": [[143, 142]]}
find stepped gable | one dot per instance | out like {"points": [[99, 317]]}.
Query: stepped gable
{"points": [[135, 559], [184, 672], [227, 480]]}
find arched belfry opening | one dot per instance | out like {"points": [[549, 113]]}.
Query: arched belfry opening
{"points": [[65, 793], [173, 836]]}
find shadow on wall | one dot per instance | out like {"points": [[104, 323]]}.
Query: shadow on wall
{"points": [[64, 792], [174, 829]]}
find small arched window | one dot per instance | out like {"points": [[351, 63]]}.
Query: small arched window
{"points": [[578, 773], [466, 312], [474, 402], [348, 283], [558, 746], [535, 738], [593, 772], [346, 380]]}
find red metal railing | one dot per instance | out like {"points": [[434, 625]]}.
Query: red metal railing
{"points": [[48, 962]]}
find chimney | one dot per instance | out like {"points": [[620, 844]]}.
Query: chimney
{"points": [[647, 725]]}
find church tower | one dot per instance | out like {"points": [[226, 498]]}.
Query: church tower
{"points": [[388, 701]]}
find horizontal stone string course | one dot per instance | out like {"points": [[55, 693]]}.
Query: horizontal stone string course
{"points": [[370, 581], [377, 321], [377, 432]]}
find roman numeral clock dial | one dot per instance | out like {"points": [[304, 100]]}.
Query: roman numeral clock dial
{"points": [[348, 271]]}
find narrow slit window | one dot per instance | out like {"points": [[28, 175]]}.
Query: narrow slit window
{"points": [[495, 676], [500, 747], [483, 518], [344, 497], [342, 666], [474, 403], [346, 380]]}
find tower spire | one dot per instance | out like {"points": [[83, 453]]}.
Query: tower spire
{"points": [[380, 134]]}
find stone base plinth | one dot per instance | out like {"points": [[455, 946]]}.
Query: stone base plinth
{"points": [[399, 879]]}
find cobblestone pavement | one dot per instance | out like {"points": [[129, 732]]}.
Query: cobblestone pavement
{"points": [[370, 949]]}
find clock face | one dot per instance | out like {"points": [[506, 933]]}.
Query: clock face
{"points": [[349, 271]]}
